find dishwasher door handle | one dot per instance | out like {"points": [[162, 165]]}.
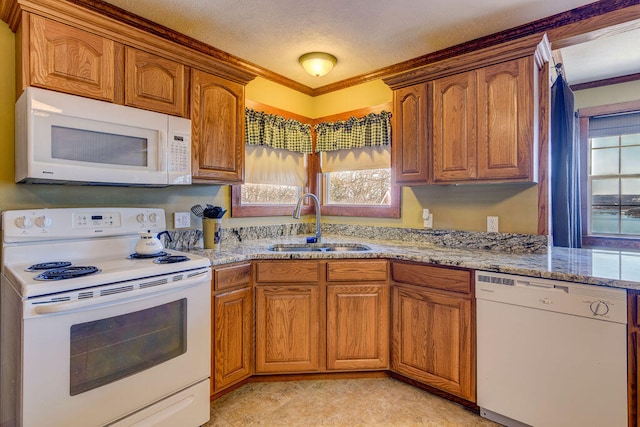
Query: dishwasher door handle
{"points": [[542, 286]]}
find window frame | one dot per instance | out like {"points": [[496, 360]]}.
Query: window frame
{"points": [[390, 211], [588, 239], [315, 177], [238, 210]]}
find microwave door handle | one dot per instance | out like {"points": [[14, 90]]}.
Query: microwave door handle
{"points": [[162, 150]]}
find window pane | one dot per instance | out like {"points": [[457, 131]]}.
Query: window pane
{"points": [[364, 187], [605, 192], [605, 219], [633, 139], [630, 160], [269, 194], [604, 161], [630, 191], [630, 220], [609, 141]]}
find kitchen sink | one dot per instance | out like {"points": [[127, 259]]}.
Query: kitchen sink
{"points": [[319, 247]]}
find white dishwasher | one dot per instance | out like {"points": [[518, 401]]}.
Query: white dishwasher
{"points": [[550, 353]]}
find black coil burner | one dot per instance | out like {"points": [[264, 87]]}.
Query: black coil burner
{"points": [[146, 256], [170, 259], [67, 272], [48, 265]]}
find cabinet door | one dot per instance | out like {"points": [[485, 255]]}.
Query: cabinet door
{"points": [[217, 137], [357, 327], [154, 83], [70, 60], [454, 128], [505, 121], [432, 340], [287, 329], [232, 337], [410, 139]]}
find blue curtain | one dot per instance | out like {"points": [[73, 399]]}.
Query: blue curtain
{"points": [[566, 222]]}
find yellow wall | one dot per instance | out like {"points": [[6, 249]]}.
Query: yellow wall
{"points": [[454, 207]]}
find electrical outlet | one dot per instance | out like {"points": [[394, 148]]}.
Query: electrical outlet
{"points": [[492, 224], [181, 219]]}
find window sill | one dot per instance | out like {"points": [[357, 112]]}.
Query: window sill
{"points": [[610, 242]]}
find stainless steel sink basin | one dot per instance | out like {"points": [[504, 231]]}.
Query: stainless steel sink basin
{"points": [[318, 247]]}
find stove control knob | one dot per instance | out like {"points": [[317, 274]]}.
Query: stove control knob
{"points": [[599, 308], [43, 221], [153, 217], [23, 222], [141, 218]]}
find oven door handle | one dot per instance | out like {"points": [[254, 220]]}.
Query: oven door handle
{"points": [[103, 301]]}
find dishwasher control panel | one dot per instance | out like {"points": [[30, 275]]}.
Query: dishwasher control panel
{"points": [[597, 302]]}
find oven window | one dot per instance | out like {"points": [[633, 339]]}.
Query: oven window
{"points": [[98, 147], [106, 350]]}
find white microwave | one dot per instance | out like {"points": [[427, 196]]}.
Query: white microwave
{"points": [[68, 139]]}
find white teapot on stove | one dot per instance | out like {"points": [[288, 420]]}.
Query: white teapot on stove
{"points": [[150, 243]]}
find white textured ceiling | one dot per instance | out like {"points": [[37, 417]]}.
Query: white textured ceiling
{"points": [[365, 35]]}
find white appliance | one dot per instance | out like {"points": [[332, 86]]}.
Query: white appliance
{"points": [[550, 353], [63, 138], [126, 342]]}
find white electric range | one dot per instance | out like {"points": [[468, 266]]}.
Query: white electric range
{"points": [[91, 335]]}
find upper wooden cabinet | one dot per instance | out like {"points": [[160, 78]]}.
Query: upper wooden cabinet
{"points": [[217, 128], [410, 141], [67, 59], [154, 83], [454, 127], [484, 124], [480, 118]]}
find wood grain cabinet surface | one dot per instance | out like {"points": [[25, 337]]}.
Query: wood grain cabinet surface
{"points": [[432, 332], [472, 118], [483, 124], [314, 316], [231, 326], [217, 128], [155, 83], [633, 355], [67, 59], [357, 326], [411, 154]]}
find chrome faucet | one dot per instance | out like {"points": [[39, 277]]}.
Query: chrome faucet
{"points": [[296, 213]]}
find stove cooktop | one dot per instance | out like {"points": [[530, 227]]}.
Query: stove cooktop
{"points": [[32, 280]]}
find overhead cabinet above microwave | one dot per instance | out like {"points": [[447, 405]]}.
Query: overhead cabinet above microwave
{"points": [[85, 53], [63, 138]]}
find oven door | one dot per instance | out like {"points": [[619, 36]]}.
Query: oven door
{"points": [[89, 363]]}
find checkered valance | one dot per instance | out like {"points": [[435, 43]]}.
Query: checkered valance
{"points": [[277, 132], [368, 131]]}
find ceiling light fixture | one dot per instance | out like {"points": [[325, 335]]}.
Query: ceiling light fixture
{"points": [[317, 63]]}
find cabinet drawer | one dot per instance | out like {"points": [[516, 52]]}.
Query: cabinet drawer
{"points": [[234, 276], [446, 279], [287, 271], [357, 271]]}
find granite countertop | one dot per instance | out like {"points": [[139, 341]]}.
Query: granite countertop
{"points": [[611, 268]]}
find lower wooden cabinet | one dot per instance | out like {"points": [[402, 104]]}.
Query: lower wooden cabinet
{"points": [[357, 326], [318, 315], [633, 353], [287, 328], [432, 331], [232, 326]]}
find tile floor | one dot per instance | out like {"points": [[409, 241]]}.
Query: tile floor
{"points": [[354, 402]]}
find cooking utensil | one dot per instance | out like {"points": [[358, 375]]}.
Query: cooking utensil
{"points": [[197, 210], [213, 212]]}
